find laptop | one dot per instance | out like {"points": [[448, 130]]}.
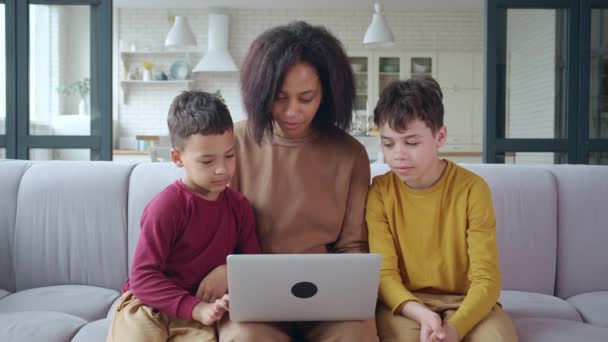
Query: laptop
{"points": [[303, 287]]}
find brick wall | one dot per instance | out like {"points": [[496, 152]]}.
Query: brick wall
{"points": [[146, 107]]}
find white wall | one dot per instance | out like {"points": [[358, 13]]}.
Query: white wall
{"points": [[146, 109]]}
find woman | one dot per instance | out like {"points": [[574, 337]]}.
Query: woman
{"points": [[305, 176]]}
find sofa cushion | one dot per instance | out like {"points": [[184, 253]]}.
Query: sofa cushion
{"points": [[93, 332], [11, 171], [593, 307], [38, 326], [71, 225], [525, 202], [86, 302], [111, 312], [557, 330], [582, 215], [527, 304], [147, 180]]}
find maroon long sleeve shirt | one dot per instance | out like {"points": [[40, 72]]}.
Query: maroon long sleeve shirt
{"points": [[184, 237]]}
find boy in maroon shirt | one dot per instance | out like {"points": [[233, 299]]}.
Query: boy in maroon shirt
{"points": [[177, 285]]}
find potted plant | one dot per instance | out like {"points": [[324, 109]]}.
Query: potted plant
{"points": [[80, 88]]}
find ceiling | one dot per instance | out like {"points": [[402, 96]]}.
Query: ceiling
{"points": [[417, 5]]}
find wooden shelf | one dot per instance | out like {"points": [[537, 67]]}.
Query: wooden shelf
{"points": [[130, 152], [173, 82], [156, 52], [460, 154], [125, 85]]}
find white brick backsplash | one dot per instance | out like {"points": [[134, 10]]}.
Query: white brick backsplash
{"points": [[146, 108]]}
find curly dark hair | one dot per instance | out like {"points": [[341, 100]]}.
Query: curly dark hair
{"points": [[196, 112], [403, 101], [274, 52]]}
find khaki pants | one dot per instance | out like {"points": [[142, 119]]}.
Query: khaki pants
{"points": [[334, 331], [134, 321], [496, 326]]}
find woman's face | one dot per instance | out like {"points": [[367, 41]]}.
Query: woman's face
{"points": [[297, 101]]}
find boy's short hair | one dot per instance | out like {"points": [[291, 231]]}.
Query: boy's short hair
{"points": [[196, 112], [403, 101]]}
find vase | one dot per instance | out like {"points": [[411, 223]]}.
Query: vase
{"points": [[147, 75], [83, 107]]}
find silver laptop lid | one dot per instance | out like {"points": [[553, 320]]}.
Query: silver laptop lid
{"points": [[303, 287]]}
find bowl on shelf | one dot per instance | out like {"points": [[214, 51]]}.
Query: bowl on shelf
{"points": [[419, 68], [179, 70], [356, 67]]}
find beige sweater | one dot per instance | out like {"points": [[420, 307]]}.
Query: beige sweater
{"points": [[308, 194]]}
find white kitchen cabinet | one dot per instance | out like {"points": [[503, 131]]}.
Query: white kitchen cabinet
{"points": [[458, 116], [455, 70], [477, 117], [478, 69], [419, 63], [361, 67], [460, 75], [374, 70], [388, 69]]}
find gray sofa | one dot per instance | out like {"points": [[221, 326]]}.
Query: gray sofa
{"points": [[68, 231]]}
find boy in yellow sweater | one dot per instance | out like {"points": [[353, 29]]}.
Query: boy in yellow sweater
{"points": [[433, 223]]}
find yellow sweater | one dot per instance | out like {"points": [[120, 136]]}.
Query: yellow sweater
{"points": [[439, 240]]}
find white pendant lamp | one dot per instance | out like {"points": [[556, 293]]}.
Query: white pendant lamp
{"points": [[378, 32], [181, 34]]}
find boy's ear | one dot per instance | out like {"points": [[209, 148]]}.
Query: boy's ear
{"points": [[176, 157], [441, 136]]}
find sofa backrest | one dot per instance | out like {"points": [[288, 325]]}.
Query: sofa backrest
{"points": [[582, 229], [147, 180], [78, 223], [71, 225], [11, 173], [525, 203]]}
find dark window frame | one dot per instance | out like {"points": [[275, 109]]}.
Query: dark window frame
{"points": [[577, 145], [17, 139]]}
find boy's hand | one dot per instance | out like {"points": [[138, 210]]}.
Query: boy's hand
{"points": [[208, 313], [214, 285], [431, 329], [451, 334]]}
